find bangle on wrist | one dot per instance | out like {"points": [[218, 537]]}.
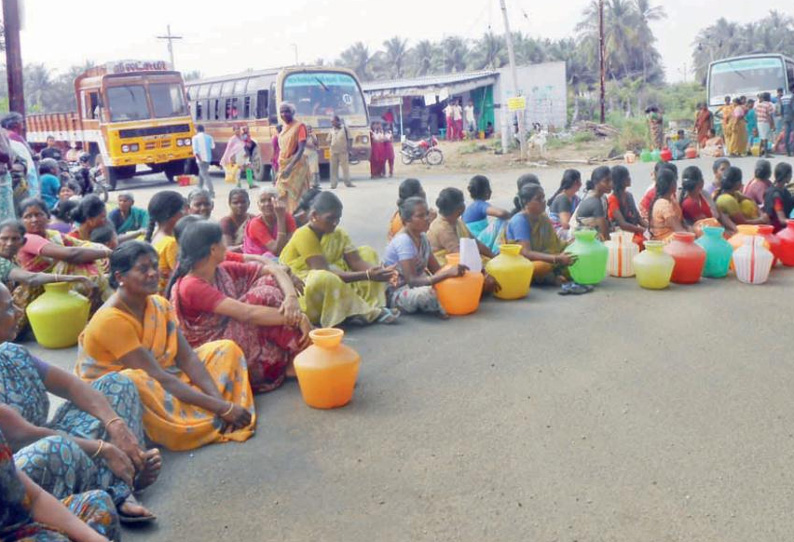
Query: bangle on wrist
{"points": [[98, 450], [111, 422], [229, 411], [367, 274]]}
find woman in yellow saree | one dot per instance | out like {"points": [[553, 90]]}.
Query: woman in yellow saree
{"points": [[294, 175], [343, 283], [190, 398]]}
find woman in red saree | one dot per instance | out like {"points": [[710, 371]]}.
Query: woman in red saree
{"points": [[703, 124], [377, 158], [257, 308]]}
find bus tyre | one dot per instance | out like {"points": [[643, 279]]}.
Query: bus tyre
{"points": [[172, 169], [325, 171]]}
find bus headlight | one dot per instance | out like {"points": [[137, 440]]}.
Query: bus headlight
{"points": [[365, 139], [125, 148], [188, 142], [134, 147], [179, 142]]}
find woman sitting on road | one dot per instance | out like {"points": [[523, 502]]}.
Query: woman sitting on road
{"points": [[165, 209], [621, 210], [235, 223], [61, 220], [131, 222], [343, 283], [190, 397], [254, 306], [564, 202], [268, 233], [48, 251], [650, 192], [592, 212], [199, 202], [777, 199], [29, 514], [666, 215], [409, 188], [697, 208], [448, 229], [532, 229], [19, 281], [485, 221], [732, 203], [410, 253], [89, 214], [94, 441]]}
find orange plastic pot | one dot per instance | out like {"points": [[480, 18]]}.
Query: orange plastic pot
{"points": [[327, 370], [773, 243], [460, 295]]}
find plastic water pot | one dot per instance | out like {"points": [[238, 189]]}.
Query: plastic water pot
{"points": [[753, 261], [622, 250], [689, 258], [591, 265], [460, 295], [512, 271], [786, 235], [718, 252], [58, 316], [327, 370], [653, 267]]}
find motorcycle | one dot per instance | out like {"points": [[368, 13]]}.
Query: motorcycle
{"points": [[425, 150], [71, 171]]}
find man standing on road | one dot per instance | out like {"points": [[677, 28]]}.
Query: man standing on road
{"points": [[448, 111], [340, 148], [51, 151], [202, 150], [764, 114], [468, 118], [457, 119]]}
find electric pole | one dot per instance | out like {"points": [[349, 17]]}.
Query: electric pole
{"points": [[602, 57], [522, 140], [170, 37], [295, 48], [11, 24]]}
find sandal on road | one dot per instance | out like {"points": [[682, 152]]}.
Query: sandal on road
{"points": [[126, 517], [572, 288]]}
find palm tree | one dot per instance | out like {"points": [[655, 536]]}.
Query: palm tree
{"points": [[646, 13], [454, 53], [490, 52], [422, 58], [37, 82], [720, 40], [357, 57], [396, 50]]}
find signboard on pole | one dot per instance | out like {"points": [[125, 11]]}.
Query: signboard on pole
{"points": [[518, 103]]}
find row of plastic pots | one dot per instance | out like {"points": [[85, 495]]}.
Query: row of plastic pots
{"points": [[751, 253]]}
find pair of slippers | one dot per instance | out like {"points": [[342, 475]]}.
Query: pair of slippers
{"points": [[572, 288]]}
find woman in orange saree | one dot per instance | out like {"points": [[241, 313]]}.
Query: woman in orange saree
{"points": [[294, 175]]}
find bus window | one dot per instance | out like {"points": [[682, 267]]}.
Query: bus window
{"points": [[215, 90], [790, 72], [199, 110], [92, 106], [216, 116], [203, 92], [227, 89], [261, 104], [127, 103], [167, 100], [231, 108], [247, 107], [239, 86], [325, 94], [274, 120]]}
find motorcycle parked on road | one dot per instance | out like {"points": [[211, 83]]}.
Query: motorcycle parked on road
{"points": [[424, 150]]}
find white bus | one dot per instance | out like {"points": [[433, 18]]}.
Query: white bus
{"points": [[748, 76]]}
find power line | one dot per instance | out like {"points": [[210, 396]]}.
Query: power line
{"points": [[170, 37]]}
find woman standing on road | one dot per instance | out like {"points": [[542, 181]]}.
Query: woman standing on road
{"points": [[190, 397], [294, 176], [655, 126]]}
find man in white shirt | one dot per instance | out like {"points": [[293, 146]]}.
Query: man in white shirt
{"points": [[202, 150], [468, 117]]}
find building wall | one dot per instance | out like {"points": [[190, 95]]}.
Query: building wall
{"points": [[544, 86]]}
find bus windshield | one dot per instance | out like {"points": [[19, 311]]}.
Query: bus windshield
{"points": [[318, 96], [747, 76], [127, 103], [167, 100]]}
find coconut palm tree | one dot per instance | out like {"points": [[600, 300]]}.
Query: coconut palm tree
{"points": [[358, 58], [646, 14], [489, 52], [454, 53], [422, 58], [396, 53]]}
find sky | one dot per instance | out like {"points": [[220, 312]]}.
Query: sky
{"points": [[228, 36]]}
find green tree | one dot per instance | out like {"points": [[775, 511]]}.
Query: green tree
{"points": [[358, 58], [395, 57], [422, 58], [489, 52]]}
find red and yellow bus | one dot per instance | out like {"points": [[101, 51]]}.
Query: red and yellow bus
{"points": [[128, 114], [251, 99]]}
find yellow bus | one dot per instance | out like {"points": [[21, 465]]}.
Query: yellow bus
{"points": [[129, 113], [251, 99]]}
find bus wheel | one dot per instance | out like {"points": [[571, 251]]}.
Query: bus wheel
{"points": [[259, 169], [172, 169]]}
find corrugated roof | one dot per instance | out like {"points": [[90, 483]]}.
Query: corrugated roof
{"points": [[431, 81]]}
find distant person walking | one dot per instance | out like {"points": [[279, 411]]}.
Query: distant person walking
{"points": [[765, 121], [293, 168], [738, 130], [655, 126], [376, 158], [339, 142], [234, 154], [203, 144]]}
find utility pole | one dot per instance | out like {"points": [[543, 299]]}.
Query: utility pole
{"points": [[170, 37], [11, 24], [295, 47], [512, 56], [602, 57]]}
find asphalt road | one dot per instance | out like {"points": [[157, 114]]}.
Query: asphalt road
{"points": [[622, 415]]}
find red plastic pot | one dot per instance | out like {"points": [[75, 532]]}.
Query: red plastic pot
{"points": [[786, 235], [767, 232], [689, 258]]}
